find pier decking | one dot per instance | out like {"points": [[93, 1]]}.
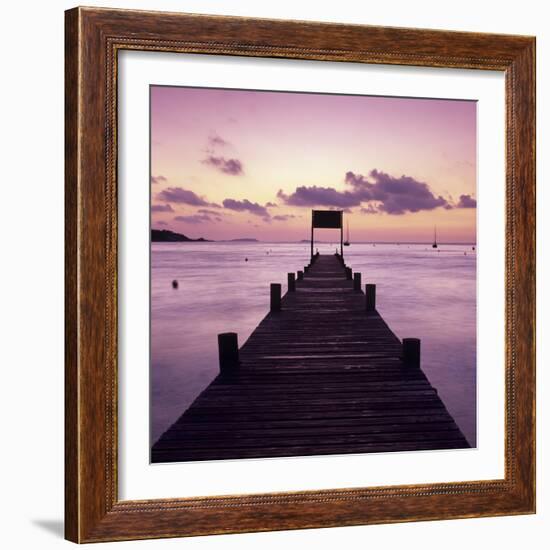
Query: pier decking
{"points": [[324, 374]]}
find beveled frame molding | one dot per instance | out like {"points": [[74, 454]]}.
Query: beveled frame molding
{"points": [[93, 38]]}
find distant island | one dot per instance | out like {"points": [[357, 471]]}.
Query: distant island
{"points": [[244, 241], [320, 242], [165, 236]]}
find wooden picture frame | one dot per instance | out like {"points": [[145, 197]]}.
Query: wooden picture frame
{"points": [[93, 510]]}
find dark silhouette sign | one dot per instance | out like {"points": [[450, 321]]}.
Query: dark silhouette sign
{"points": [[328, 219]]}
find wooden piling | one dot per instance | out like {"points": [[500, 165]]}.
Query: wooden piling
{"points": [[291, 282], [357, 282], [411, 352], [228, 351], [370, 297], [275, 295]]}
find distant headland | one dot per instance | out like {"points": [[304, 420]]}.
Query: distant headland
{"points": [[166, 236]]}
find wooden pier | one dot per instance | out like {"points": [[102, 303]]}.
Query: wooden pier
{"points": [[321, 374]]}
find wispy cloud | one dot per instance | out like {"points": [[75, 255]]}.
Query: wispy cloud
{"points": [[214, 140], [208, 212], [158, 179], [369, 209], [183, 196], [161, 208], [283, 217], [232, 167], [246, 205], [195, 218], [229, 166], [466, 201]]}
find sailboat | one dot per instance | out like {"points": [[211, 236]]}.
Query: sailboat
{"points": [[434, 245], [346, 242]]}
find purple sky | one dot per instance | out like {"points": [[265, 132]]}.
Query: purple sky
{"points": [[230, 163]]}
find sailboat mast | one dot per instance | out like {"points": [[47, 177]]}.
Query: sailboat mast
{"points": [[346, 242]]}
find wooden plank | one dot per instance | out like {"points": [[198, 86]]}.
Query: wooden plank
{"points": [[178, 455]]}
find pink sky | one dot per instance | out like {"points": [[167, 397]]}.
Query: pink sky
{"points": [[231, 163]]}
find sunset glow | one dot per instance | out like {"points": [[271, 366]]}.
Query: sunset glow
{"points": [[229, 164]]}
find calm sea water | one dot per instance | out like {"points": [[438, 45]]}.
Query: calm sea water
{"points": [[421, 292]]}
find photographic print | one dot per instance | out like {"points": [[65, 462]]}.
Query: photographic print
{"points": [[283, 307], [313, 274]]}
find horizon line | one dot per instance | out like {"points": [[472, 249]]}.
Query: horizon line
{"points": [[257, 241]]}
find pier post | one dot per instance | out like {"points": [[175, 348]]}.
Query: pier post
{"points": [[349, 273], [291, 282], [275, 295], [411, 352], [370, 297], [228, 351], [357, 282], [300, 275], [312, 226]]}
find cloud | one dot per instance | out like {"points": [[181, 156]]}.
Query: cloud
{"points": [[283, 217], [320, 196], [466, 201], [271, 205], [395, 195], [392, 195], [183, 196], [208, 212], [370, 209], [246, 205], [158, 179], [161, 208], [214, 140], [232, 167], [215, 216], [194, 218], [161, 223]]}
